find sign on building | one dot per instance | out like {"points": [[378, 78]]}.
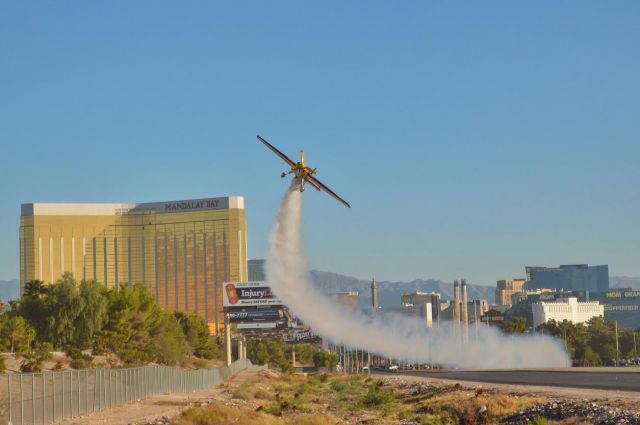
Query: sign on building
{"points": [[247, 294]]}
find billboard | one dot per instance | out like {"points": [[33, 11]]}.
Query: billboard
{"points": [[246, 294], [257, 325], [251, 315], [299, 335]]}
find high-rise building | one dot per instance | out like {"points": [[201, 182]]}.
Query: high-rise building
{"points": [[418, 299], [256, 270], [575, 277], [464, 316], [506, 288], [347, 299], [456, 302], [181, 250], [374, 295]]}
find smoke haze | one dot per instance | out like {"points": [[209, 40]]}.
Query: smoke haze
{"points": [[392, 336]]}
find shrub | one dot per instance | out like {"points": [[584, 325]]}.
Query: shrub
{"points": [[274, 409], [45, 347], [200, 364], [339, 386], [31, 362], [377, 397], [99, 350], [262, 394], [3, 366], [201, 416], [78, 364], [33, 358], [243, 392], [73, 352]]}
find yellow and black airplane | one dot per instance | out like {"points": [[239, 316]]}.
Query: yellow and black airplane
{"points": [[303, 172]]}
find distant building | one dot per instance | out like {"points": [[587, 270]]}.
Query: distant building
{"points": [[256, 270], [566, 309], [493, 317], [374, 295], [182, 251], [506, 288], [424, 311], [621, 304], [418, 299], [347, 299], [475, 308], [576, 277]]}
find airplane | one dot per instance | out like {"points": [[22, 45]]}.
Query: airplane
{"points": [[303, 172]]}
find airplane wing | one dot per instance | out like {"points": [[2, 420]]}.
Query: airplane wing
{"points": [[277, 152], [318, 184]]}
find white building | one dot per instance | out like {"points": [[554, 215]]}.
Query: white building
{"points": [[565, 309]]}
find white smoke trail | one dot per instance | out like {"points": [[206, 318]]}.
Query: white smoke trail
{"points": [[392, 336]]}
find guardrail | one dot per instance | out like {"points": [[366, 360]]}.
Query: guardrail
{"points": [[46, 397]]}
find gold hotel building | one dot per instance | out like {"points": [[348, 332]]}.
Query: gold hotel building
{"points": [[181, 250]]}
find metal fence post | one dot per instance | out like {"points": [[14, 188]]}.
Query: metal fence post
{"points": [[10, 398], [95, 382], [62, 380], [53, 393], [21, 403], [44, 400], [86, 391], [110, 388], [102, 391], [70, 413], [33, 398], [78, 385]]}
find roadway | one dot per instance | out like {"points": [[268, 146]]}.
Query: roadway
{"points": [[596, 378]]}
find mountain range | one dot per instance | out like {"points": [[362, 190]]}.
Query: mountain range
{"points": [[389, 292], [9, 290]]}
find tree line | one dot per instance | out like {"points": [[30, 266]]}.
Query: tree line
{"points": [[592, 343], [276, 352], [75, 316]]}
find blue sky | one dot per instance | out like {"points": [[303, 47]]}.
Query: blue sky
{"points": [[471, 138]]}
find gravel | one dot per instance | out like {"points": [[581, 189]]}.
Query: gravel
{"points": [[563, 409]]}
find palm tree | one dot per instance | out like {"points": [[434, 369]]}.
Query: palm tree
{"points": [[35, 289]]}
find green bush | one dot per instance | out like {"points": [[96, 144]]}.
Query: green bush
{"points": [[78, 364], [262, 394], [377, 397], [339, 386], [73, 353]]}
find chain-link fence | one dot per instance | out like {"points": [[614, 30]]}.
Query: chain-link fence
{"points": [[43, 398]]}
